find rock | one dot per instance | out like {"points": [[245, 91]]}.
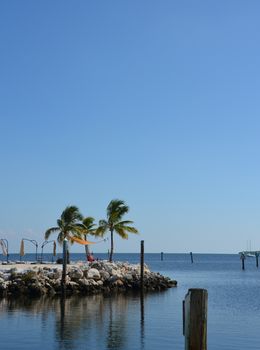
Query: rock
{"points": [[93, 274], [75, 274], [116, 273], [54, 274], [128, 277], [83, 282], [104, 275], [113, 279], [86, 279], [72, 284], [96, 265], [92, 282], [119, 283]]}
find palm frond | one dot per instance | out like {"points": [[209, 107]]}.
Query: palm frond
{"points": [[69, 224], [76, 229], [88, 222], [60, 223], [50, 231], [71, 214], [126, 222], [60, 237], [115, 210], [97, 233], [113, 205], [102, 228], [89, 226], [120, 230], [102, 223], [130, 229], [122, 226], [80, 226]]}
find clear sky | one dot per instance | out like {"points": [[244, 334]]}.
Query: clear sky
{"points": [[153, 102]]}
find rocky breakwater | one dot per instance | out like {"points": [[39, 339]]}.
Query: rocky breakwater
{"points": [[93, 278]]}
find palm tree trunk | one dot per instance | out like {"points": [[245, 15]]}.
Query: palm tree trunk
{"points": [[86, 247], [112, 246]]}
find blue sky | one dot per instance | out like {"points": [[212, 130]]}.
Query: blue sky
{"points": [[153, 102]]}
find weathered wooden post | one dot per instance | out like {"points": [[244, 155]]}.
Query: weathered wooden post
{"points": [[161, 256], [64, 266], [142, 265], [195, 307], [191, 257], [256, 259], [242, 257]]}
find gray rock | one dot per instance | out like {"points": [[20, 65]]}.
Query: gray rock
{"points": [[113, 279], [93, 274], [92, 282], [104, 275], [72, 284], [128, 277], [83, 282], [75, 274], [87, 279], [54, 274]]}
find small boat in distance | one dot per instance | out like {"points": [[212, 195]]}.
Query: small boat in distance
{"points": [[250, 255]]}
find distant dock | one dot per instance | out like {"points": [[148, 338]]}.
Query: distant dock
{"points": [[249, 254]]}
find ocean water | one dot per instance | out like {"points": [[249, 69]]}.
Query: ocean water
{"points": [[129, 322]]}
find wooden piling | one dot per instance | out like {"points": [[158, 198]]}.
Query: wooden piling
{"points": [[195, 308], [242, 257], [161, 256], [256, 259], [142, 265], [64, 266], [191, 257]]}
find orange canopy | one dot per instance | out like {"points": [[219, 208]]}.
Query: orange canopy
{"points": [[81, 241]]}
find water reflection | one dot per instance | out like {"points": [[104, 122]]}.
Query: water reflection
{"points": [[78, 316], [116, 334], [83, 322], [142, 318]]}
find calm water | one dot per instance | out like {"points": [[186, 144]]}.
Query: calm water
{"points": [[125, 322]]}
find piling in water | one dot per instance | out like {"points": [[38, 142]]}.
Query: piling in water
{"points": [[195, 308], [142, 265], [242, 257]]}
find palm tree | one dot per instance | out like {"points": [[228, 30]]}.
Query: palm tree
{"points": [[68, 225], [115, 211], [89, 229]]}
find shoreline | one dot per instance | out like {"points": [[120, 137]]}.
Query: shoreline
{"points": [[82, 278]]}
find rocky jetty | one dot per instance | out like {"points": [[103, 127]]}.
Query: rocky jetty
{"points": [[92, 278]]}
